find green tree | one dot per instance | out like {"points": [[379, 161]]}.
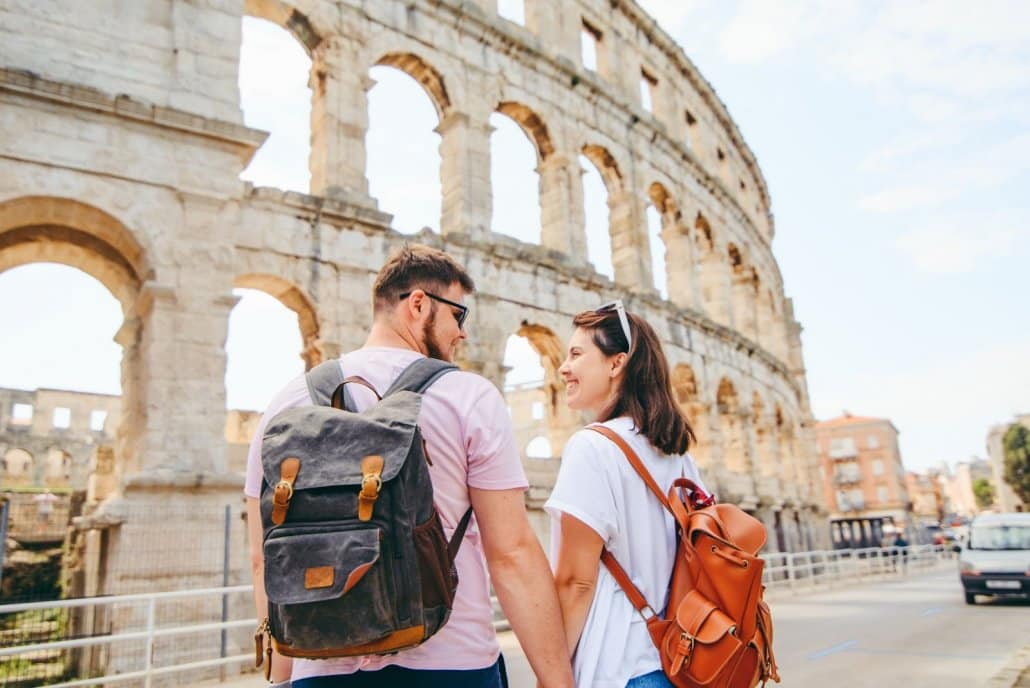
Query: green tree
{"points": [[1016, 444], [984, 492]]}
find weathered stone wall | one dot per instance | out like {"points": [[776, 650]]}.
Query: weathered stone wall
{"points": [[120, 148]]}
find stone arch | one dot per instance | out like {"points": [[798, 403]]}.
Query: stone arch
{"points": [[36, 229], [532, 125], [18, 464], [713, 275], [678, 245], [297, 301], [764, 435], [686, 391], [742, 285], [606, 165], [727, 402], [426, 75], [561, 422], [307, 32]]}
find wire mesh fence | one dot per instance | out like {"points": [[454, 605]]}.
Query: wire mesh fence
{"points": [[143, 548]]}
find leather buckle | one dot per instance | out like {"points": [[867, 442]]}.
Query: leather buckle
{"points": [[377, 483], [280, 487]]}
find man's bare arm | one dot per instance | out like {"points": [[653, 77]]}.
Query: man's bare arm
{"points": [[281, 666], [522, 580]]}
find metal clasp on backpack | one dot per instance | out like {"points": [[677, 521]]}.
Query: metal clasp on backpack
{"points": [[371, 484], [288, 471]]}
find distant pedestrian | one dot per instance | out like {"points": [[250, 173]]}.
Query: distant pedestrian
{"points": [[45, 505]]}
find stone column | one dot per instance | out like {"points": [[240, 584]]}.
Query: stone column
{"points": [[465, 175], [679, 264], [339, 120], [631, 254], [561, 206]]}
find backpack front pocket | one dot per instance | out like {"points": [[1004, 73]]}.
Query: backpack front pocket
{"points": [[344, 572]]}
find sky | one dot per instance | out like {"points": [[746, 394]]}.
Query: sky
{"points": [[894, 139]]}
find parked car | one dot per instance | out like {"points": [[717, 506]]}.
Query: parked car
{"points": [[996, 561]]}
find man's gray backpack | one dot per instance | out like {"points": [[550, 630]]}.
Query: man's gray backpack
{"points": [[356, 560]]}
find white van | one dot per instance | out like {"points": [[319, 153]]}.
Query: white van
{"points": [[996, 560]]}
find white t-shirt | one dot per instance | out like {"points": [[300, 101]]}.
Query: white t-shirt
{"points": [[597, 485], [465, 423]]}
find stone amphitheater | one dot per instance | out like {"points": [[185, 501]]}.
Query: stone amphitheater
{"points": [[121, 146]]}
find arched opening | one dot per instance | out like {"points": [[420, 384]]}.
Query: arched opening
{"points": [[405, 107], [671, 254], [596, 219], [100, 272], [731, 427], [264, 349], [539, 448], [764, 442], [602, 181], [514, 170], [744, 286], [19, 468], [275, 95], [712, 273], [685, 389]]}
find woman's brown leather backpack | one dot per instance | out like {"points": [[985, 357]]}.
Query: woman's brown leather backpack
{"points": [[716, 631]]}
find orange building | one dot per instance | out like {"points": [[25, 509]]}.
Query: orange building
{"points": [[864, 479]]}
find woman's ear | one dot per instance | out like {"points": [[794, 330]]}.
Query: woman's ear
{"points": [[618, 363]]}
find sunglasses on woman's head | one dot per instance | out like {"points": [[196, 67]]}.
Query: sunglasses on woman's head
{"points": [[623, 320]]}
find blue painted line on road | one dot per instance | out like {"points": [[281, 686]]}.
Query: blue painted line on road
{"points": [[936, 655], [833, 650], [933, 611]]}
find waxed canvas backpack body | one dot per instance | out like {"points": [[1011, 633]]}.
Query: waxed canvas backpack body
{"points": [[356, 560], [716, 630]]}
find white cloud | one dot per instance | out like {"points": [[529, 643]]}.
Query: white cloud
{"points": [[962, 171], [761, 30], [954, 249]]}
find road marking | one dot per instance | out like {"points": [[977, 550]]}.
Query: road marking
{"points": [[942, 655], [832, 650], [932, 611]]}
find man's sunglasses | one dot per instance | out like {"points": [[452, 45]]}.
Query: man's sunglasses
{"points": [[623, 320], [460, 316]]}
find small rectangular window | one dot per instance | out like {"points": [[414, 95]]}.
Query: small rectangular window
{"points": [[21, 414], [881, 493], [538, 410], [648, 84], [589, 38], [691, 130], [512, 10], [97, 420], [62, 417], [873, 442], [877, 467]]}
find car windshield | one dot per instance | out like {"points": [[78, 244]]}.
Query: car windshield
{"points": [[1000, 537]]}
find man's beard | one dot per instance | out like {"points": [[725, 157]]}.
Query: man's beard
{"points": [[433, 347]]}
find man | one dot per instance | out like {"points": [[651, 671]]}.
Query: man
{"points": [[418, 310]]}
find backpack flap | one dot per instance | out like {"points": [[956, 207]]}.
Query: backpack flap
{"points": [[702, 641], [305, 567], [331, 444]]}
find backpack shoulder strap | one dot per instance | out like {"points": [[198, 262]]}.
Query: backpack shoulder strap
{"points": [[418, 376], [323, 380], [634, 461]]}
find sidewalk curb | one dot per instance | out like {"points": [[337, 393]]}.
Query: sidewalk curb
{"points": [[1015, 674]]}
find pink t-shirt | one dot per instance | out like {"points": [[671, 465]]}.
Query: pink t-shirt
{"points": [[465, 423]]}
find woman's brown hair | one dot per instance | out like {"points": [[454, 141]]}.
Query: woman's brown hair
{"points": [[645, 392]]}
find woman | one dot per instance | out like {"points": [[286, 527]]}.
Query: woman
{"points": [[616, 371]]}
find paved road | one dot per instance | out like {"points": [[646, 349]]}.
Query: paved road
{"points": [[913, 633]]}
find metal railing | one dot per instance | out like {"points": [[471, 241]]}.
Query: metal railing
{"points": [[797, 570], [149, 635], [791, 570]]}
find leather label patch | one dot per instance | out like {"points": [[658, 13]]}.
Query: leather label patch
{"points": [[318, 577]]}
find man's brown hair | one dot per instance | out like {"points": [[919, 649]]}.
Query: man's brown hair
{"points": [[645, 392], [417, 266]]}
